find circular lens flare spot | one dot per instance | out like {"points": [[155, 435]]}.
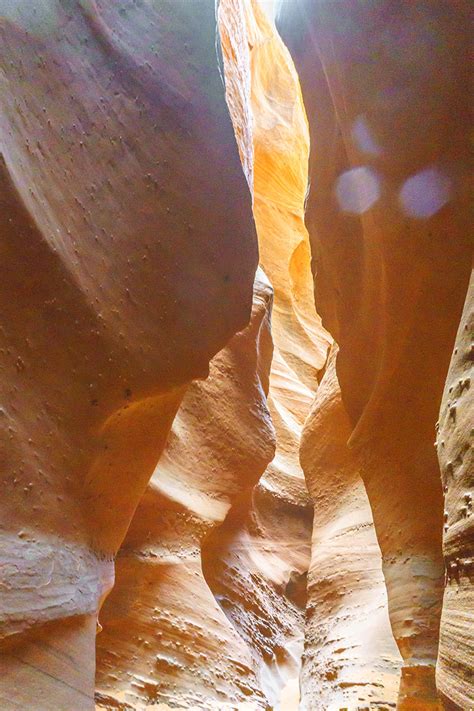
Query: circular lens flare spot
{"points": [[357, 190], [424, 193]]}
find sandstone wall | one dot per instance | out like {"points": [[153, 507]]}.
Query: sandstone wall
{"points": [[255, 554], [165, 638], [454, 443], [128, 254], [385, 89], [351, 659]]}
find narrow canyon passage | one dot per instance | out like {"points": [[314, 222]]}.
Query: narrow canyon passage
{"points": [[251, 531], [236, 356]]}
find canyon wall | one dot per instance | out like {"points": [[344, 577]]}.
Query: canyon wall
{"points": [[251, 539], [454, 443], [129, 253], [388, 220], [351, 659], [273, 500], [165, 638]]}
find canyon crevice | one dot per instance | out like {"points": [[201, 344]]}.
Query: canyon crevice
{"points": [[235, 317]]}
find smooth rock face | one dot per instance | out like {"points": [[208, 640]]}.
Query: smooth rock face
{"points": [[454, 442], [287, 551], [165, 638], [351, 659], [264, 545], [204, 507], [388, 220], [128, 258]]}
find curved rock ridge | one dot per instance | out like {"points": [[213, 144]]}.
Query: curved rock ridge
{"points": [[165, 638], [351, 659], [234, 463], [128, 253], [264, 544], [455, 453], [255, 562], [388, 219]]}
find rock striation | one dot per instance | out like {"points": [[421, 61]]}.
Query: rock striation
{"points": [[388, 220], [241, 480], [129, 253], [454, 443], [351, 659], [254, 550], [165, 638]]}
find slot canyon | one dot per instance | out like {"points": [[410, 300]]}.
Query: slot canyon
{"points": [[236, 355]]}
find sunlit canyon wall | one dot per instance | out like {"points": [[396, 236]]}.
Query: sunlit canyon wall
{"points": [[232, 629]]}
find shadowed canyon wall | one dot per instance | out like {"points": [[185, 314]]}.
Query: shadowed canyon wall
{"points": [[255, 470], [123, 274], [388, 220]]}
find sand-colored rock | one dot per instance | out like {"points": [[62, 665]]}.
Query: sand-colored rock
{"points": [[454, 442], [165, 638], [388, 221], [351, 659], [266, 543], [128, 257], [129, 253], [254, 554]]}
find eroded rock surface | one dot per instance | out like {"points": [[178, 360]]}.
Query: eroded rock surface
{"points": [[165, 638], [388, 220], [255, 562], [351, 659], [455, 446], [128, 255]]}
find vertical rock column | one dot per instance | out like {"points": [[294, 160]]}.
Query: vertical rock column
{"points": [[455, 447], [128, 259], [351, 659], [387, 215]]}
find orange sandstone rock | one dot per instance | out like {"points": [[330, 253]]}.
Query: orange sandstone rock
{"points": [[254, 541], [386, 92], [351, 660], [128, 253], [165, 638]]}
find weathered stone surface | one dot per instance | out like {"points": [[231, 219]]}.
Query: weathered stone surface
{"points": [[388, 220], [128, 257], [454, 442], [129, 253], [255, 554], [264, 545], [165, 638], [351, 659]]}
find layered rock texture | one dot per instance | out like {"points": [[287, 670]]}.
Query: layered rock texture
{"points": [[388, 220], [128, 253], [239, 638], [351, 659], [454, 443], [165, 637], [234, 464]]}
